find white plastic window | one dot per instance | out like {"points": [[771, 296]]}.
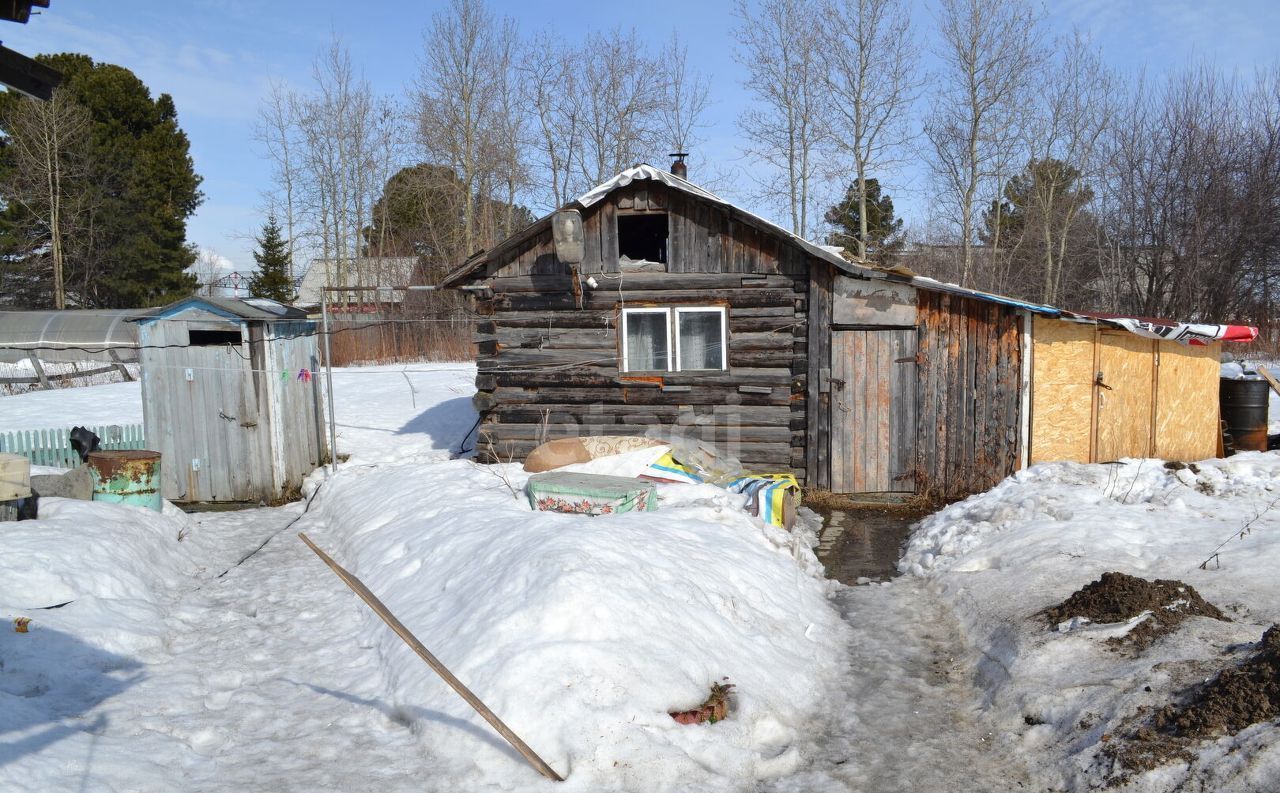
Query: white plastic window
{"points": [[682, 339], [700, 338], [646, 345]]}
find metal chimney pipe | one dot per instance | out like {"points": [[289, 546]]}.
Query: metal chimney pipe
{"points": [[679, 168]]}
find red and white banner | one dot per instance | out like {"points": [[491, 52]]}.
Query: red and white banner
{"points": [[1185, 333]]}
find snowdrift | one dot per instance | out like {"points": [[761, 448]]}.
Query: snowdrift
{"points": [[1002, 557], [582, 633]]}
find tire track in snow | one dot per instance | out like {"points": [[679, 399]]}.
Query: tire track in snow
{"points": [[909, 716]]}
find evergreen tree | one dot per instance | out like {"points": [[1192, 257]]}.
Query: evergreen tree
{"points": [[883, 229], [272, 279], [141, 188]]}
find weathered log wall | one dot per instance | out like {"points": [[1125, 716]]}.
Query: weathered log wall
{"points": [[548, 346]]}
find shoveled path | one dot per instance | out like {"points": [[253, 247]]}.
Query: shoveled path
{"points": [[911, 717]]}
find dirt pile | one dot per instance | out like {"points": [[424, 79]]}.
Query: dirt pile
{"points": [[1116, 597], [1237, 698]]}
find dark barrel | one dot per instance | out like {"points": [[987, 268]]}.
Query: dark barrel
{"points": [[1244, 409]]}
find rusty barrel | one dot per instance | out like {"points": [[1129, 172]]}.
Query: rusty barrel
{"points": [[126, 476], [1244, 409]]}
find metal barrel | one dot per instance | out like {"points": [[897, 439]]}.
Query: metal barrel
{"points": [[126, 476], [1244, 409]]}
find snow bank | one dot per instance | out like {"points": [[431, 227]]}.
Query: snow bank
{"points": [[582, 633], [1001, 557]]}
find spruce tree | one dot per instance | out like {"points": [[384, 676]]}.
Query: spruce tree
{"points": [[272, 279]]}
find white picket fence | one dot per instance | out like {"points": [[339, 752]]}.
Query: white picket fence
{"points": [[52, 447]]}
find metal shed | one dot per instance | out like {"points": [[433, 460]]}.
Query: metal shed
{"points": [[228, 398]]}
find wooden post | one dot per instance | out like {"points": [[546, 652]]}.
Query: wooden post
{"points": [[35, 363], [382, 611], [120, 367], [1270, 378]]}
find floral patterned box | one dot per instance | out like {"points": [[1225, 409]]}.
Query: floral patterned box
{"points": [[590, 494]]}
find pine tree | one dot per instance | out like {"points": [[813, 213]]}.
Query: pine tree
{"points": [[131, 197], [272, 279], [883, 229]]}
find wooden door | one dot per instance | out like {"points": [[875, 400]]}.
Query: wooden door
{"points": [[1125, 387], [873, 411]]}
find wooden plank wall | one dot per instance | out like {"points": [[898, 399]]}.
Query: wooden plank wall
{"points": [[874, 400], [969, 417], [548, 359], [703, 238]]}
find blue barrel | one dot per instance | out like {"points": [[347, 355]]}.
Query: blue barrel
{"points": [[126, 476]]}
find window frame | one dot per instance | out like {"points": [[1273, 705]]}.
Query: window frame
{"points": [[724, 335], [674, 353], [626, 363]]}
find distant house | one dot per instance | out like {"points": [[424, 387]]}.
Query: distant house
{"points": [[650, 302], [373, 281]]}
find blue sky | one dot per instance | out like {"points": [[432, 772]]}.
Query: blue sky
{"points": [[215, 57]]}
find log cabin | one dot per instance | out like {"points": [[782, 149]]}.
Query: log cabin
{"points": [[650, 303]]}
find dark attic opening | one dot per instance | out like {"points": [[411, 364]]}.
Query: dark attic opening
{"points": [[213, 338], [643, 237]]}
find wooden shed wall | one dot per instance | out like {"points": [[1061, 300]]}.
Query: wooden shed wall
{"points": [[1062, 372], [970, 404], [1162, 398], [1187, 410], [252, 432], [548, 347]]}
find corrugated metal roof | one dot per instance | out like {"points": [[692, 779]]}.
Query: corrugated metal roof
{"points": [[251, 308]]}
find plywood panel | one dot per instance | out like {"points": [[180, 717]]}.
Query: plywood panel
{"points": [[1126, 402], [1062, 373], [1187, 401]]}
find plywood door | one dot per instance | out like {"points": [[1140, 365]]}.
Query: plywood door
{"points": [[1062, 391], [873, 411], [1126, 393]]}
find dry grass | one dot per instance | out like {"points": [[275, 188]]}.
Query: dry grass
{"points": [[825, 501]]}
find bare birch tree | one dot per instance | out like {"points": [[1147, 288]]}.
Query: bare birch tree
{"points": [[277, 130], [869, 65], [548, 85], [990, 52], [619, 98], [49, 143], [461, 105], [1075, 109], [785, 127], [687, 97]]}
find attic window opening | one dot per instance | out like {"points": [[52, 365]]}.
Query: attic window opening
{"points": [[213, 338], [643, 237]]}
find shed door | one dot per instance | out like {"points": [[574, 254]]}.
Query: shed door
{"points": [[220, 423], [1125, 393], [873, 411]]}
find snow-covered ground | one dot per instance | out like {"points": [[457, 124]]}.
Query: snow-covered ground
{"points": [[215, 652], [1057, 698], [232, 659]]}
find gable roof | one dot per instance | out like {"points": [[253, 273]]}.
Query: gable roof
{"points": [[250, 308], [474, 265]]}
